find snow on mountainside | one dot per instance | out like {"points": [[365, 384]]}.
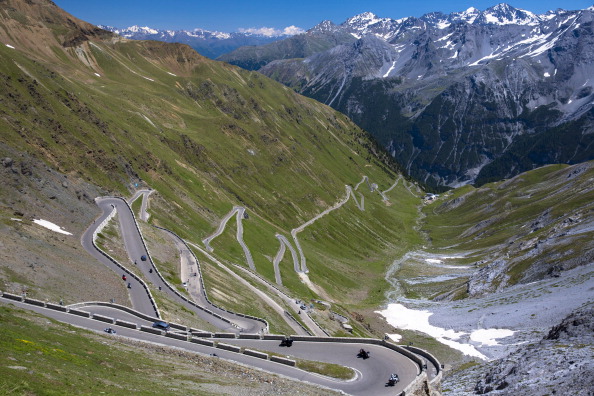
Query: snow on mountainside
{"points": [[466, 97], [134, 32], [208, 43]]}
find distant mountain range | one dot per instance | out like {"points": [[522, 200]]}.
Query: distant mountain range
{"points": [[206, 43], [467, 97]]}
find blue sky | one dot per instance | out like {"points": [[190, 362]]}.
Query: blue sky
{"points": [[233, 15]]}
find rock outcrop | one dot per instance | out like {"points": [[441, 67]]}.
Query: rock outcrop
{"points": [[562, 363], [469, 97]]}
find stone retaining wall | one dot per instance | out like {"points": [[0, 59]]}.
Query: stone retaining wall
{"points": [[283, 360], [103, 318], [227, 347], [257, 354]]}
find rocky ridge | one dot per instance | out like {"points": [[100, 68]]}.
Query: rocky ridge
{"points": [[468, 97], [561, 363]]}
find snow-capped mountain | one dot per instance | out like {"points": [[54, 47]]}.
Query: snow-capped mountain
{"points": [[456, 98], [208, 43]]}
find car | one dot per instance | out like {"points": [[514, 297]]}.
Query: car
{"points": [[143, 258], [109, 330], [159, 324]]}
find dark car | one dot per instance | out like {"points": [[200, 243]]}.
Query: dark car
{"points": [[143, 258], [159, 324]]}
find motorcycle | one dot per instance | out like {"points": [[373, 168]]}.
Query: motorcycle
{"points": [[363, 354], [393, 379]]}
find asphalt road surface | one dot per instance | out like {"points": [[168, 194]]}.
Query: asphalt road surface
{"points": [[371, 378], [135, 247]]}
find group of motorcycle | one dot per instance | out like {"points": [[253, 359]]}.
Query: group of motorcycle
{"points": [[363, 354]]}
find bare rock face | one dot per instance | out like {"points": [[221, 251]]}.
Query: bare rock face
{"points": [[560, 364], [469, 97]]}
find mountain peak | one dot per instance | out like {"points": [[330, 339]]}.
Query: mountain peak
{"points": [[323, 27], [504, 14], [365, 16], [363, 20]]}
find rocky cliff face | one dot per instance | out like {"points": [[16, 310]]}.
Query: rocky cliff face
{"points": [[468, 97], [560, 364]]}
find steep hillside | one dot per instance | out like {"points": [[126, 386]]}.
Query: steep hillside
{"points": [[500, 266], [468, 97], [322, 37], [42, 355], [531, 227], [112, 114]]}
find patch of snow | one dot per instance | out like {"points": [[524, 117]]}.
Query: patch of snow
{"points": [[434, 261], [10, 46], [446, 37], [150, 79], [51, 226], [137, 29], [174, 75], [399, 48], [433, 279], [401, 317], [488, 336], [221, 35], [490, 56], [443, 24], [390, 69], [356, 36], [547, 74], [395, 337], [98, 75], [569, 102], [13, 219]]}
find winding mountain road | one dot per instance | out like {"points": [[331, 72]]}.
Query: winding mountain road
{"points": [[371, 374], [239, 212], [139, 295]]}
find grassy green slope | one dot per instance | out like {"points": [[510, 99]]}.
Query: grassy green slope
{"points": [[206, 136], [45, 357], [537, 224]]}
